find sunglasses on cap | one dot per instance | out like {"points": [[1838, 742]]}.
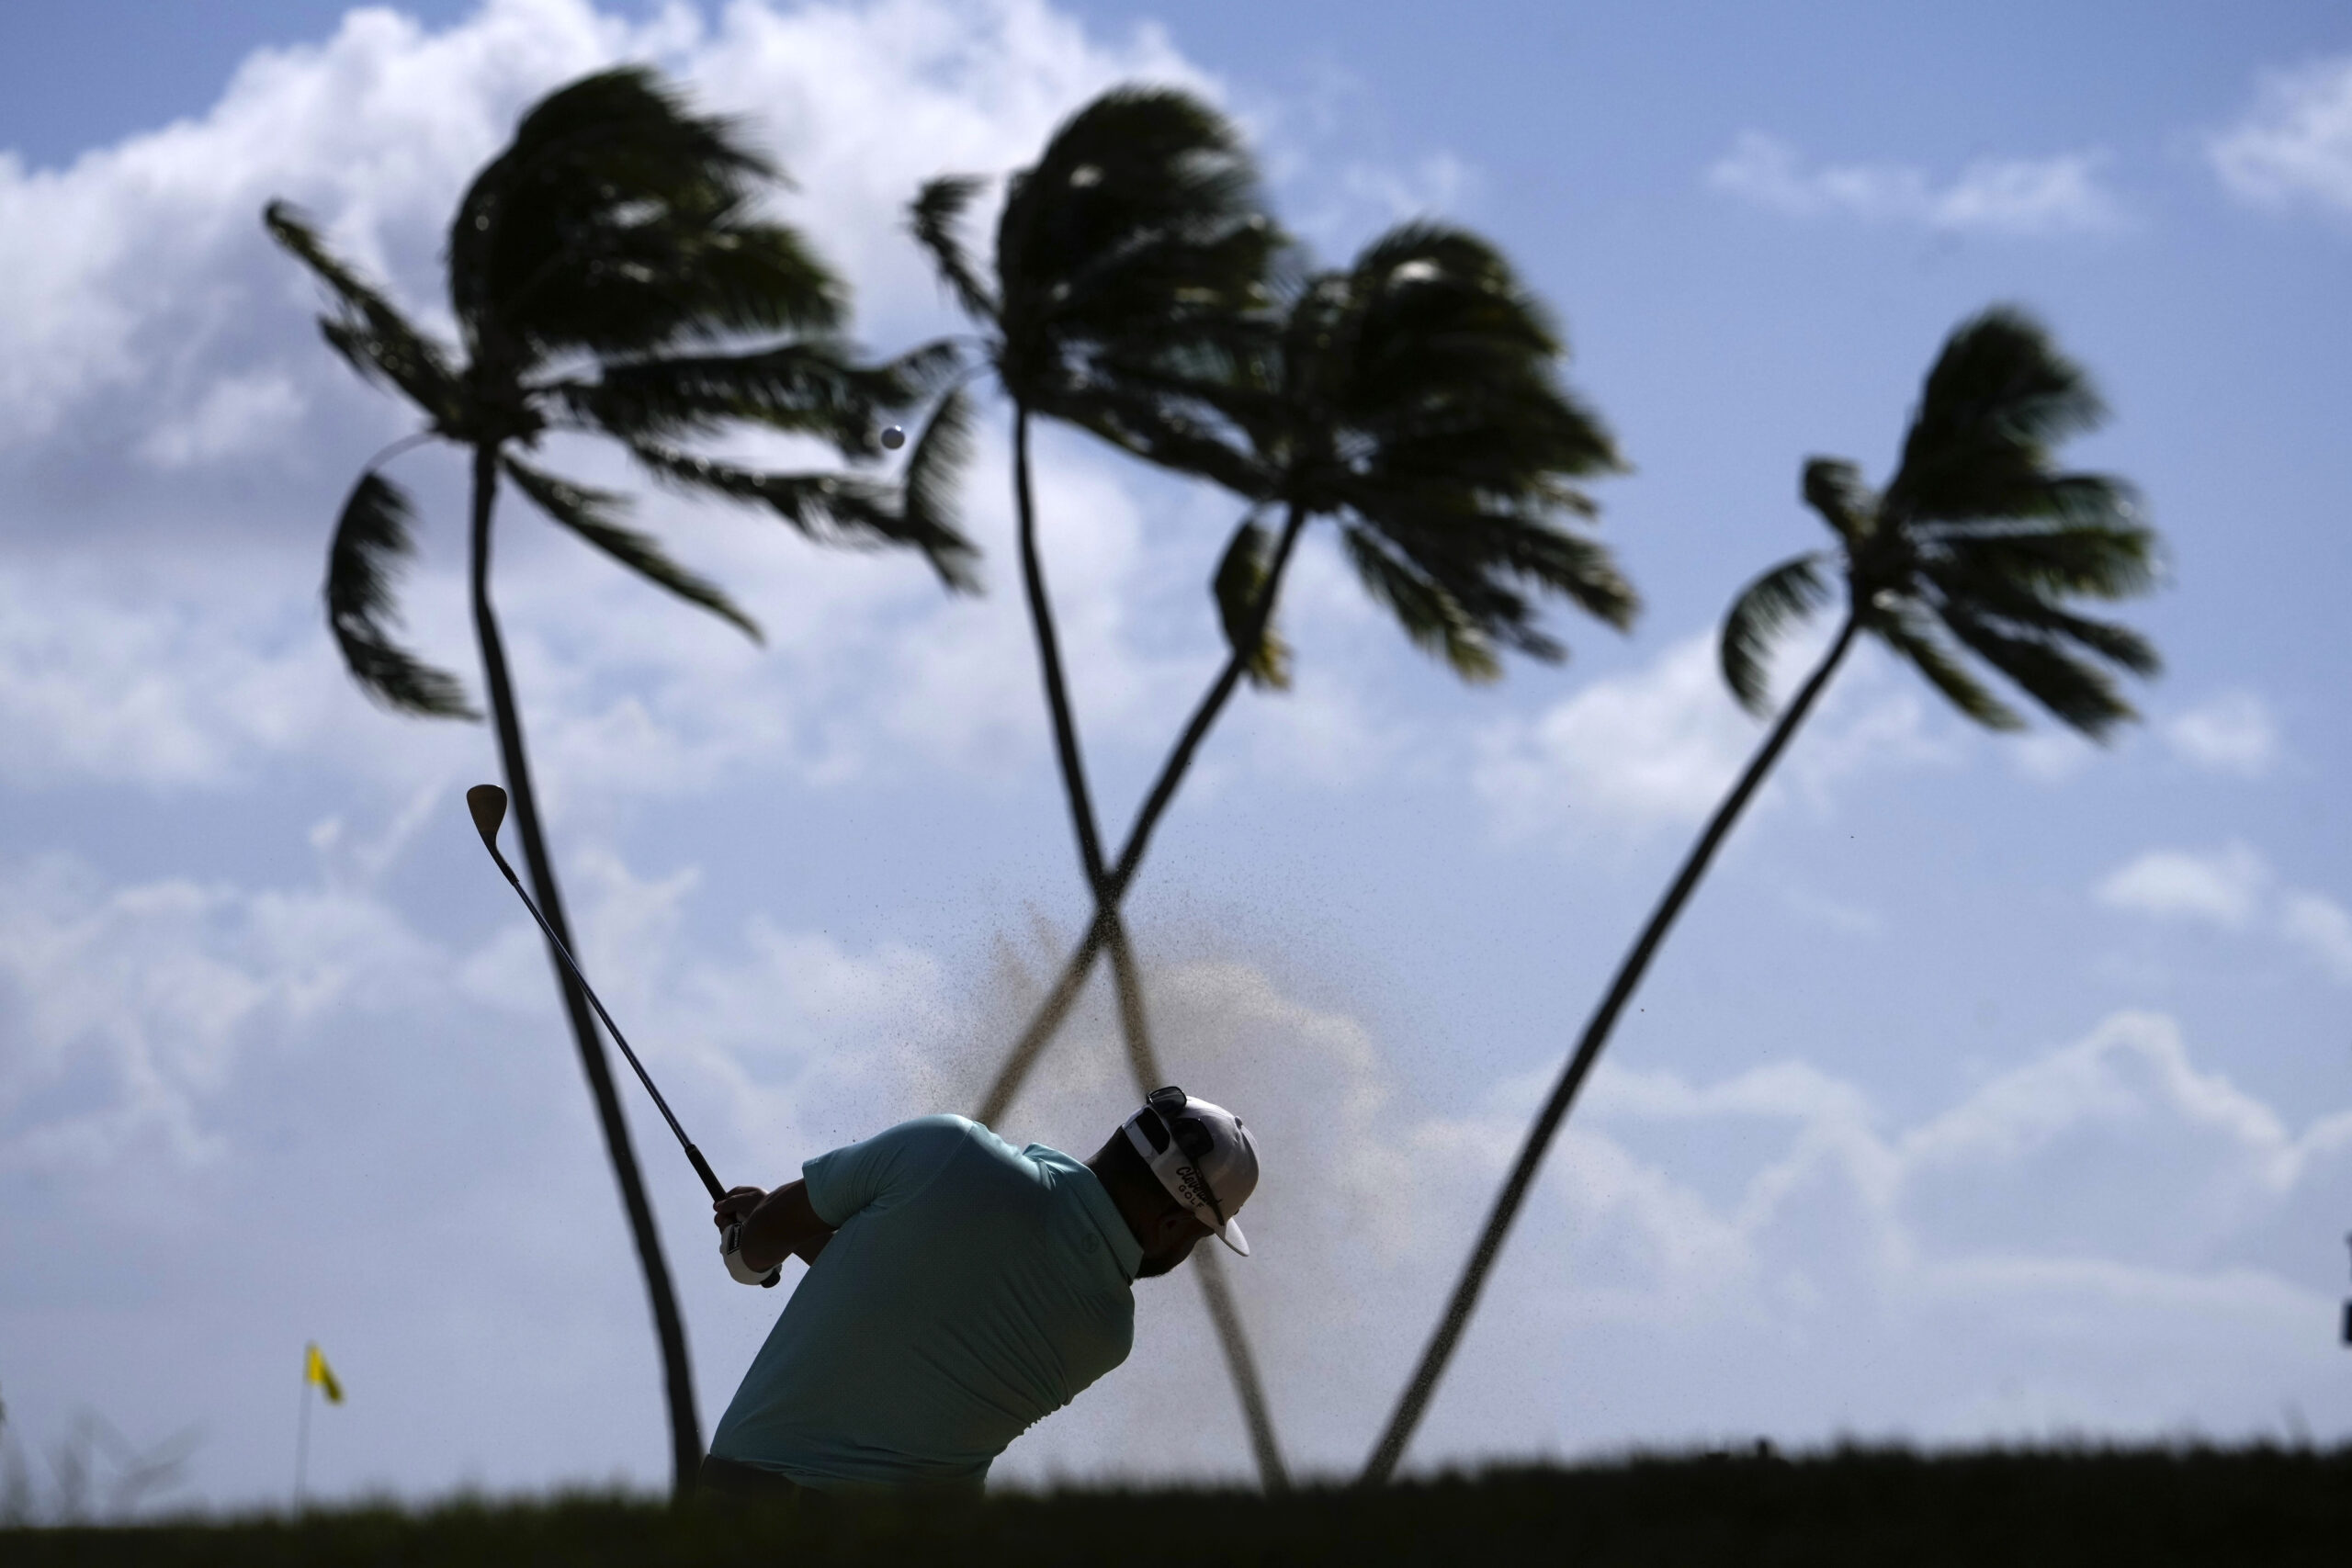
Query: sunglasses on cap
{"points": [[1190, 1133]]}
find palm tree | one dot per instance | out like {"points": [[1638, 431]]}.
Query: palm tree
{"points": [[1977, 541], [1128, 262], [606, 271], [1414, 398]]}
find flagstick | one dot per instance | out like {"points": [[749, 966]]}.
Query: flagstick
{"points": [[302, 1440]]}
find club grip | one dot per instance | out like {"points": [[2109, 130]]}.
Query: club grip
{"points": [[702, 1169]]}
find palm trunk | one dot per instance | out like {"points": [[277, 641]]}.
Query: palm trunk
{"points": [[1208, 1266], [1464, 1300], [1133, 1026], [1072, 980], [685, 1430]]}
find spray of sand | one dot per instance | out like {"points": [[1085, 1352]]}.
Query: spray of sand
{"points": [[1331, 1337]]}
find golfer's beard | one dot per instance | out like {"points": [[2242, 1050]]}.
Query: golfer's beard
{"points": [[1153, 1268]]}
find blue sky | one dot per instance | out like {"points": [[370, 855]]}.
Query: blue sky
{"points": [[1993, 1088]]}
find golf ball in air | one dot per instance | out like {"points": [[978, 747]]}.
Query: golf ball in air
{"points": [[893, 437]]}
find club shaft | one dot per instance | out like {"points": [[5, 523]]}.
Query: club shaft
{"points": [[694, 1154]]}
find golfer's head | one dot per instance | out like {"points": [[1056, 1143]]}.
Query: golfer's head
{"points": [[1205, 1164]]}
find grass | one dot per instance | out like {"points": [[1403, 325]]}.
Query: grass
{"points": [[2141, 1507]]}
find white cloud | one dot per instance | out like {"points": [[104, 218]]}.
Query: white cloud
{"points": [[2222, 888], [195, 684], [2022, 196], [1363, 198], [2233, 733], [373, 128], [134, 1005], [1653, 748], [201, 345], [1771, 1250], [2100, 1206], [1682, 1225], [200, 358], [2233, 888], [1658, 748], [2293, 147], [238, 416], [2320, 926], [2088, 1232]]}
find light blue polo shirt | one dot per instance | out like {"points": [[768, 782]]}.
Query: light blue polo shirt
{"points": [[970, 1289]]}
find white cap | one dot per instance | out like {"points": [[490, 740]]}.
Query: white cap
{"points": [[1201, 1154]]}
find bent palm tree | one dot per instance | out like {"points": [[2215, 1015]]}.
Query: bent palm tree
{"points": [[600, 268], [1128, 261], [1413, 398], [1977, 540]]}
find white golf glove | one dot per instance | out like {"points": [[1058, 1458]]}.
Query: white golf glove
{"points": [[730, 1252]]}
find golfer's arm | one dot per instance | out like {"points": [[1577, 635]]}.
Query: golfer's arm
{"points": [[784, 1223]]}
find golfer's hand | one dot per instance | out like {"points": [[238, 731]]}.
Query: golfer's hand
{"points": [[737, 1205]]}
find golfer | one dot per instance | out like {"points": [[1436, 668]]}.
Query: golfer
{"points": [[958, 1290]]}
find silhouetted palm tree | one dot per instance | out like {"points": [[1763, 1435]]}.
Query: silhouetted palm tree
{"points": [[1973, 547], [1414, 399], [604, 271], [1128, 261]]}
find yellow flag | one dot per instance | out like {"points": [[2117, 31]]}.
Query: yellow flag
{"points": [[315, 1370]]}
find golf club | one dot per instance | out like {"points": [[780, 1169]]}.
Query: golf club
{"points": [[488, 805]]}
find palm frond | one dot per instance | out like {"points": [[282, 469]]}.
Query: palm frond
{"points": [[1834, 488], [1436, 317], [1484, 552], [1580, 569], [811, 386], [1431, 617], [1789, 593], [1999, 399], [1240, 585], [1162, 424], [927, 370], [931, 517], [828, 509], [1140, 229], [593, 514], [1979, 539], [618, 223], [2074, 691], [372, 544], [1913, 638], [369, 333], [2002, 599], [934, 219], [1419, 398], [2099, 561]]}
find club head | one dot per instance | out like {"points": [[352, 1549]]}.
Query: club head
{"points": [[488, 805]]}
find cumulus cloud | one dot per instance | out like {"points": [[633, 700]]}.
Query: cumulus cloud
{"points": [[1685, 1223], [2234, 889], [199, 359], [131, 1006], [2112, 1186], [251, 1040], [2294, 146], [2222, 888], [2020, 196], [264, 1045], [1656, 748], [2321, 927], [2233, 733], [202, 349], [1891, 1267]]}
